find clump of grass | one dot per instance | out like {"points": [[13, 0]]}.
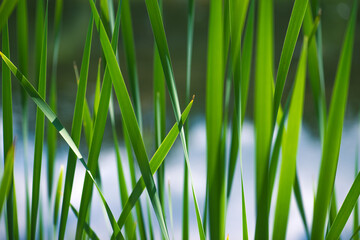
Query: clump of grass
{"points": [[229, 64]]}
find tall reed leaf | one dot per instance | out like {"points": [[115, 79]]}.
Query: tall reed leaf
{"points": [[331, 147], [76, 130], [296, 19], [6, 178], [190, 36], [345, 210], [39, 130], [51, 131], [290, 146], [91, 233], [263, 112], [7, 124], [214, 109], [52, 117], [58, 196], [130, 119], [23, 49]]}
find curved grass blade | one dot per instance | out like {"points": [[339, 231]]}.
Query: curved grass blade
{"points": [[23, 49], [290, 146], [6, 9], [76, 130], [161, 42], [345, 210], [130, 119], [333, 132], [58, 196], [292, 33], [6, 179], [97, 136], [263, 111], [151, 231], [243, 209], [56, 122], [51, 131], [91, 233], [155, 163], [39, 130], [299, 202]]}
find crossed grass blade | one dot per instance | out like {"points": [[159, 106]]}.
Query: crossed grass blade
{"points": [[333, 131], [45, 108], [6, 178]]}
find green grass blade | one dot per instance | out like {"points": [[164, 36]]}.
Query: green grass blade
{"points": [[15, 214], [245, 62], [214, 110], [39, 130], [243, 210], [76, 131], [316, 81], [151, 231], [121, 177], [23, 50], [290, 146], [6, 9], [333, 132], [190, 36], [356, 208], [58, 196], [263, 112], [52, 117], [39, 25], [6, 179], [91, 233], [296, 19], [97, 136], [130, 119], [299, 202], [170, 211], [129, 48], [7, 124], [51, 131], [155, 163], [97, 90], [345, 210], [159, 116]]}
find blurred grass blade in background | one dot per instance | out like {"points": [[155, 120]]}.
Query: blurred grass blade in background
{"points": [[290, 146], [189, 49], [76, 130], [58, 194], [6, 178], [39, 129], [7, 112], [51, 130], [23, 51], [6, 8], [333, 132]]}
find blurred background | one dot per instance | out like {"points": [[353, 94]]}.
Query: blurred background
{"points": [[76, 15]]}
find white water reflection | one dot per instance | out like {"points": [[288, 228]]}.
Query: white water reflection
{"points": [[309, 155]]}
